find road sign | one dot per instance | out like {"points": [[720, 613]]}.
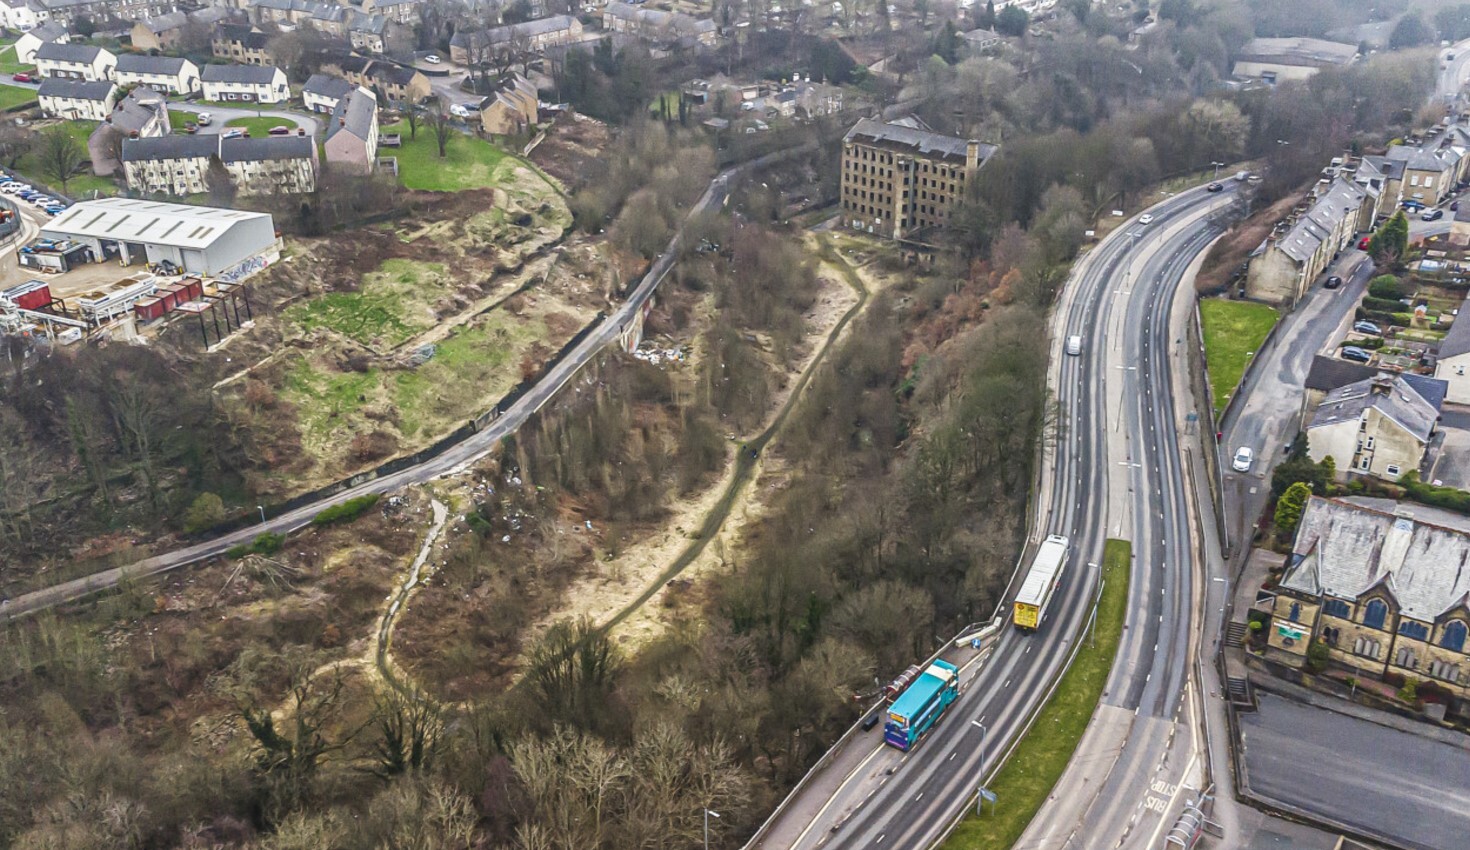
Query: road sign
{"points": [[987, 795]]}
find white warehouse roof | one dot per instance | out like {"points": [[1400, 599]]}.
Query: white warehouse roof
{"points": [[149, 222]]}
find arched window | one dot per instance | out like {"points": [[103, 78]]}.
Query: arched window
{"points": [[1416, 631], [1296, 612], [1375, 614], [1405, 658], [1454, 636]]}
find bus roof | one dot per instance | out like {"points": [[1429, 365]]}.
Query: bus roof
{"points": [[1044, 569], [929, 683]]}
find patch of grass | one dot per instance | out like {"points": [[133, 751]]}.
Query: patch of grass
{"points": [[259, 126], [469, 163], [83, 184], [382, 312], [12, 96], [1234, 331], [345, 511], [1038, 761], [326, 401], [9, 63]]}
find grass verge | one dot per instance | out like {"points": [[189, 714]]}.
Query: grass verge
{"points": [[468, 163], [1234, 331], [12, 96], [1036, 764]]}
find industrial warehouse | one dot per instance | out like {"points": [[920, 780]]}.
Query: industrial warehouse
{"points": [[196, 261], [182, 239]]}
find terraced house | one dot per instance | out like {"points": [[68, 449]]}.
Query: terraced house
{"points": [[179, 165], [76, 100], [169, 74], [74, 61], [1301, 246], [241, 44], [245, 83], [1387, 592]]}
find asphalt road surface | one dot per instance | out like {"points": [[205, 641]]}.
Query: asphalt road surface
{"points": [[1453, 73], [455, 458], [1114, 401], [1380, 781]]}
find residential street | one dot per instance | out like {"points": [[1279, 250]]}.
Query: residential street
{"points": [[222, 115]]}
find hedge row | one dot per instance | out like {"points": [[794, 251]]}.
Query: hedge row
{"points": [[1440, 497], [345, 511], [265, 544]]}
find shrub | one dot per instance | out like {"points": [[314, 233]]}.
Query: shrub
{"points": [[1403, 320], [264, 544], [207, 511], [345, 511], [1316, 656], [1386, 286], [1382, 305], [1440, 497], [1410, 691]]}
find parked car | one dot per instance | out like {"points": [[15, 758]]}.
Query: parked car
{"points": [[54, 210], [203, 119], [1243, 458], [1145, 219], [433, 59], [191, 128], [1367, 328], [1356, 354], [1432, 215], [280, 130], [23, 78], [1214, 187], [1363, 243], [233, 133], [42, 201], [1074, 345], [1333, 282]]}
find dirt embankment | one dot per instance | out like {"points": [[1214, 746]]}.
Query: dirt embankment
{"points": [[1228, 257]]}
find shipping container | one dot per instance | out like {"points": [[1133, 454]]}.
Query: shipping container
{"points": [[149, 309], [119, 299], [31, 295]]}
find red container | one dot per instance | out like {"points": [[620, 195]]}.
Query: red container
{"points": [[149, 309], [31, 295]]}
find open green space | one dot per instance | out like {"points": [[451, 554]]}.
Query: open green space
{"points": [[13, 96], [468, 163], [259, 126], [9, 62], [1026, 780], [1234, 331], [391, 305], [83, 184]]}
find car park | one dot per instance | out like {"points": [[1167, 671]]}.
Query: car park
{"points": [[1145, 219], [1367, 328], [1432, 215], [1333, 282], [1244, 456], [1214, 187], [1356, 354]]}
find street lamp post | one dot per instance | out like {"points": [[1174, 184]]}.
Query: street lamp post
{"points": [[707, 815], [980, 792], [1217, 169], [261, 508]]}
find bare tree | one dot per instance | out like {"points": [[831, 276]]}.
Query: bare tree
{"points": [[438, 115], [410, 733], [413, 114], [60, 155]]}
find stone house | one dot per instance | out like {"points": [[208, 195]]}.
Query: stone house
{"points": [[1301, 247], [512, 109], [240, 44], [352, 132], [1378, 427], [1386, 592]]}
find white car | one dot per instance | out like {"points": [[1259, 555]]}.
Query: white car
{"points": [[203, 119], [1243, 458], [433, 59], [1074, 345], [42, 201], [1145, 219]]}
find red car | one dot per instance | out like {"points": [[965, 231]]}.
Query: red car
{"points": [[23, 78], [1363, 243]]}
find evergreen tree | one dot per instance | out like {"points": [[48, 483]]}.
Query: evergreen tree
{"points": [[1290, 506]]}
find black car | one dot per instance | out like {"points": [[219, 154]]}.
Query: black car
{"points": [[1214, 187], [1333, 282]]}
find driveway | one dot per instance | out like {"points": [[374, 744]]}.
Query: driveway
{"points": [[1452, 461], [1412, 790], [224, 114]]}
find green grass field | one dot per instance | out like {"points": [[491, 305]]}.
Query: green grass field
{"points": [[261, 126], [469, 163], [1038, 761], [82, 184], [12, 96], [9, 64], [1234, 331], [390, 306]]}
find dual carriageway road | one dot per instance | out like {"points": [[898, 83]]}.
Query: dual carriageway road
{"points": [[1114, 469]]}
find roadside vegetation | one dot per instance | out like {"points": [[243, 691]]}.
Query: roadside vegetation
{"points": [[1039, 759], [1233, 334]]}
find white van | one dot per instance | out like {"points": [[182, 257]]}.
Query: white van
{"points": [[1074, 345]]}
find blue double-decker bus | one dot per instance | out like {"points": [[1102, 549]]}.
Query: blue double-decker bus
{"points": [[916, 711]]}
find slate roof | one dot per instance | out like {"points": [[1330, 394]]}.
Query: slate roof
{"points": [[75, 89], [245, 74], [1313, 52], [354, 114], [1390, 395], [326, 85], [49, 31], [1417, 159], [500, 35], [362, 22], [920, 140], [1318, 222], [164, 23], [138, 63], [1343, 550], [174, 146], [57, 52], [1330, 373], [246, 36], [241, 149], [1457, 340]]}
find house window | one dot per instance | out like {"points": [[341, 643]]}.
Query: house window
{"points": [[1405, 658], [1337, 608], [1367, 648], [1443, 670], [1295, 615], [1392, 469], [1453, 638], [1413, 630], [1369, 444], [1364, 464], [1375, 614], [1330, 635]]}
